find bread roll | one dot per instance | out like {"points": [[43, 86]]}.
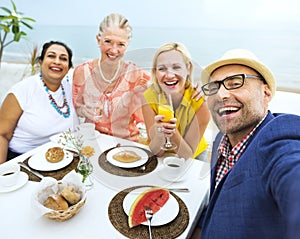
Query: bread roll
{"points": [[126, 156], [71, 195], [55, 154], [56, 202]]}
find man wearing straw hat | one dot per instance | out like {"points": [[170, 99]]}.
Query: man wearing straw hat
{"points": [[255, 162]]}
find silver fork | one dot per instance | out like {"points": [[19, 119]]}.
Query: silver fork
{"points": [[149, 215]]}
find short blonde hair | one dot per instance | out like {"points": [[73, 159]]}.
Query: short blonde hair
{"points": [[115, 20], [186, 57]]}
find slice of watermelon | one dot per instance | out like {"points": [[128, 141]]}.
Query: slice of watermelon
{"points": [[153, 198]]}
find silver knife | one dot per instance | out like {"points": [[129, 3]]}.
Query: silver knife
{"points": [[186, 190], [31, 170]]}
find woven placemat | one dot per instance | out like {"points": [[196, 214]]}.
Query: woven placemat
{"points": [[57, 174], [150, 165], [119, 220]]}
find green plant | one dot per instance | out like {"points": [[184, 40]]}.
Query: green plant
{"points": [[11, 23]]}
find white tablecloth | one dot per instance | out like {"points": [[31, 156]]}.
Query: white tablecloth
{"points": [[19, 220]]}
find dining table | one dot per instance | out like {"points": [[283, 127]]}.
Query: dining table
{"points": [[102, 215]]}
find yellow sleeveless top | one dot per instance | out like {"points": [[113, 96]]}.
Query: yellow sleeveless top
{"points": [[184, 113]]}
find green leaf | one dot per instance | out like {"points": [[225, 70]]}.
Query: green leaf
{"points": [[5, 28], [7, 18], [15, 29], [26, 24], [14, 18], [6, 10], [28, 19], [14, 6], [17, 36], [23, 33]]}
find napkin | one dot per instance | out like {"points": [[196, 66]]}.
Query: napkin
{"points": [[49, 185]]}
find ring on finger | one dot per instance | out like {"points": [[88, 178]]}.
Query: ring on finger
{"points": [[159, 129]]}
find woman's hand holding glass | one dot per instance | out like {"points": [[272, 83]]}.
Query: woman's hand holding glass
{"points": [[168, 128], [93, 111], [97, 109]]}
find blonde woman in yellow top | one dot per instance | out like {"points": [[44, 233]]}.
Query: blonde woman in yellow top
{"points": [[172, 72]]}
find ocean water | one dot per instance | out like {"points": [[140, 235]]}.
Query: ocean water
{"points": [[277, 48]]}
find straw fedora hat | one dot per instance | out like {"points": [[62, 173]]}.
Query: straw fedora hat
{"points": [[241, 57]]}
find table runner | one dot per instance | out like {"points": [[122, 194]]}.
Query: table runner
{"points": [[119, 220], [150, 165]]}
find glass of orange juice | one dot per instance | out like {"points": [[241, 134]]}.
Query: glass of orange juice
{"points": [[167, 111], [165, 108]]}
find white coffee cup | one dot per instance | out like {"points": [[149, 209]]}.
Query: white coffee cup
{"points": [[9, 174], [87, 130], [173, 168]]}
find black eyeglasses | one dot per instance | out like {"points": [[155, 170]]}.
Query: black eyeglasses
{"points": [[230, 83]]}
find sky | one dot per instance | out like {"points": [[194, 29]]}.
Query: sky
{"points": [[268, 27], [163, 13]]}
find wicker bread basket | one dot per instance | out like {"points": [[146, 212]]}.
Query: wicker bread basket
{"points": [[63, 215], [50, 186]]}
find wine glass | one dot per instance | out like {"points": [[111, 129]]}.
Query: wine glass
{"points": [[94, 106], [165, 107], [97, 109]]}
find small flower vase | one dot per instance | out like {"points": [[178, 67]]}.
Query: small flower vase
{"points": [[85, 168]]}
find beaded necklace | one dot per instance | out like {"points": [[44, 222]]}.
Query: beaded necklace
{"points": [[115, 75], [63, 110]]}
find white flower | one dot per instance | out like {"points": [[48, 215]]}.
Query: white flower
{"points": [[75, 142]]}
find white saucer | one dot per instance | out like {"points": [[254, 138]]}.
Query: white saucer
{"points": [[22, 180]]}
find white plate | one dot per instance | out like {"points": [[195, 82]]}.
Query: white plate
{"points": [[22, 180], [138, 151], [166, 214], [38, 161]]}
